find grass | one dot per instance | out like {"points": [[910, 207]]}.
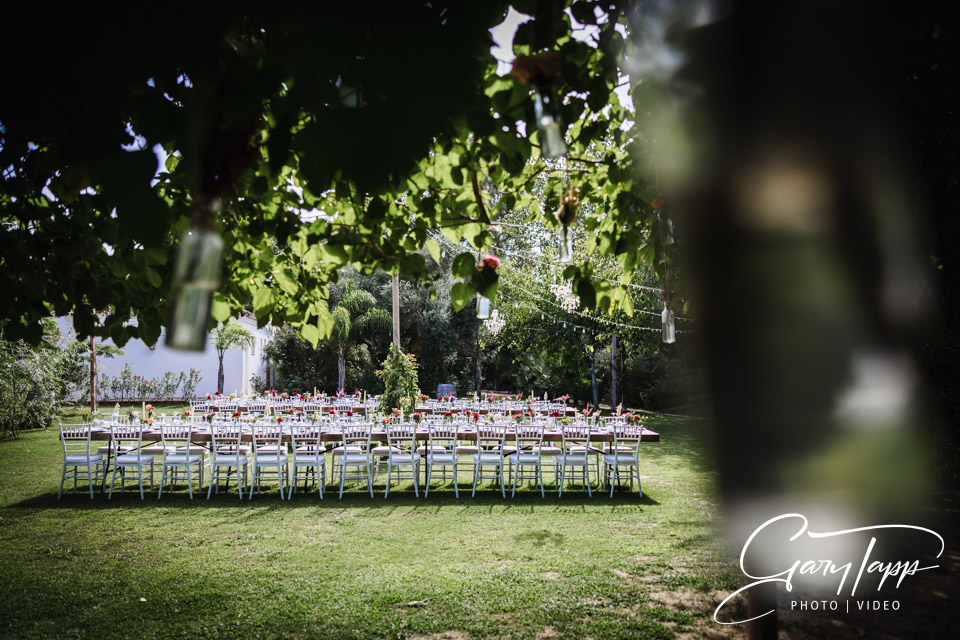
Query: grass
{"points": [[359, 567]]}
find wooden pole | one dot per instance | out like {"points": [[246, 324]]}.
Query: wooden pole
{"points": [[396, 310]]}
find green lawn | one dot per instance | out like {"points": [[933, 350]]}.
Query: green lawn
{"points": [[360, 567]]}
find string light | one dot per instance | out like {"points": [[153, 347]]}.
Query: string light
{"points": [[609, 323]]}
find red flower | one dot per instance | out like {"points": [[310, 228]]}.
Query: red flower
{"points": [[490, 261], [476, 417], [333, 412], [349, 414], [209, 398], [236, 414], [279, 420], [555, 414], [448, 414], [217, 393]]}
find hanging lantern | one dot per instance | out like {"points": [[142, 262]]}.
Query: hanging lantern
{"points": [[567, 215], [566, 244], [669, 330], [547, 112], [196, 276], [483, 307], [542, 71]]}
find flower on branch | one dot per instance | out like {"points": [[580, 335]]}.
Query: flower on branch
{"points": [[489, 261]]}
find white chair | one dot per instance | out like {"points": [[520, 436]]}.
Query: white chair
{"points": [[490, 452], [228, 457], [180, 456], [529, 444], [75, 439], [402, 452], [441, 452], [625, 453], [354, 454], [309, 454], [269, 452], [130, 456], [575, 444]]}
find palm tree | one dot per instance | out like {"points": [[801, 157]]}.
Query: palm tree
{"points": [[226, 337], [355, 316]]}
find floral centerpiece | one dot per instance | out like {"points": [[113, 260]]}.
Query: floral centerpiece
{"points": [[448, 416], [555, 414], [416, 417], [132, 415], [186, 413]]}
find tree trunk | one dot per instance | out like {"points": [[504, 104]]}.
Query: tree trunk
{"points": [[613, 373], [220, 374], [341, 369], [93, 375]]}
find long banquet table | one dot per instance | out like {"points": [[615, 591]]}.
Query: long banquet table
{"points": [[202, 435]]}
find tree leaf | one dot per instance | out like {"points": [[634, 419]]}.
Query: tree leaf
{"points": [[434, 248], [460, 295], [463, 265]]}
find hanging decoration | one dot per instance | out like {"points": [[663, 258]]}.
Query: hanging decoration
{"points": [[483, 307], [668, 328], [495, 322], [543, 71], [196, 276], [488, 264], [566, 215], [565, 296]]}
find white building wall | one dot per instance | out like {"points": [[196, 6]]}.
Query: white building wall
{"points": [[239, 365]]}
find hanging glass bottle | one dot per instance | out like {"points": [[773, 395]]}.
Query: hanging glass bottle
{"points": [[483, 307], [547, 112], [196, 276], [566, 244], [668, 327]]}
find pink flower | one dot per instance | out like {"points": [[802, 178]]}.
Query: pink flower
{"points": [[490, 261]]}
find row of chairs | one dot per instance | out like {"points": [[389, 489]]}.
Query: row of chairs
{"points": [[504, 453]]}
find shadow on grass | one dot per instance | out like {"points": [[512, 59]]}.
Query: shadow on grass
{"points": [[270, 501]]}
